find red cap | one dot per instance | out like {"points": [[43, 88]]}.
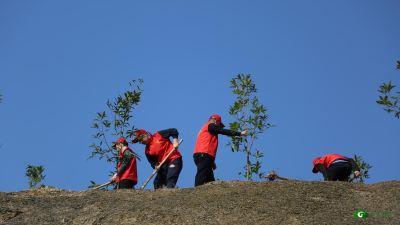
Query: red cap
{"points": [[217, 117], [139, 132], [120, 140], [315, 170]]}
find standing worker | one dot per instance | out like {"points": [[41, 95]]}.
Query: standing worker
{"points": [[126, 176], [205, 151], [335, 167], [158, 146]]}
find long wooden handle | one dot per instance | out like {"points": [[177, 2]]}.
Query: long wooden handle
{"points": [[103, 185], [281, 178], [165, 159]]}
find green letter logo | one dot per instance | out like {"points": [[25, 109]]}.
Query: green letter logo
{"points": [[360, 214]]}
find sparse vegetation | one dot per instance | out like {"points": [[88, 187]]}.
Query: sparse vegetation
{"points": [[389, 101], [250, 116], [364, 169], [35, 175]]}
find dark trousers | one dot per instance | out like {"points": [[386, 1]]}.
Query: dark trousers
{"points": [[339, 171], [126, 184], [205, 173], [168, 175]]}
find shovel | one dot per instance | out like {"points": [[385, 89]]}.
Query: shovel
{"points": [[103, 185], [351, 180], [271, 176]]}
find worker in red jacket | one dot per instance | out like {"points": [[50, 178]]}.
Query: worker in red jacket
{"points": [[126, 176], [158, 146], [205, 151], [335, 167]]}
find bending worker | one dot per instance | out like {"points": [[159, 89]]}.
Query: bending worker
{"points": [[335, 167], [158, 146], [205, 151], [126, 176]]}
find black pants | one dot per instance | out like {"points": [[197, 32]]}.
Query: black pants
{"points": [[205, 173], [168, 174], [339, 171], [126, 184]]}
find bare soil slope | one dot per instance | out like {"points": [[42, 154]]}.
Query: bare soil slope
{"points": [[229, 202]]}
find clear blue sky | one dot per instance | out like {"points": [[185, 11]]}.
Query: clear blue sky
{"points": [[317, 64]]}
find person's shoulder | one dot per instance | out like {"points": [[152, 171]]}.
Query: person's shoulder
{"points": [[212, 125]]}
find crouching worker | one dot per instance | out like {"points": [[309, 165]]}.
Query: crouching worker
{"points": [[126, 176], [335, 167], [158, 146]]}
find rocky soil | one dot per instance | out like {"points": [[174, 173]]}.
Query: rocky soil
{"points": [[223, 202]]}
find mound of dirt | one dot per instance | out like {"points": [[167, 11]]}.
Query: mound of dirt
{"points": [[223, 202]]}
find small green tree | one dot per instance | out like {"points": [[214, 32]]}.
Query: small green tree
{"points": [[121, 113], [364, 168], [255, 167], [35, 175], [390, 102], [250, 116]]}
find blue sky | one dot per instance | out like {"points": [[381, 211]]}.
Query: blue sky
{"points": [[317, 64]]}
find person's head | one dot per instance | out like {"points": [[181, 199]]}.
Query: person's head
{"points": [[142, 137], [315, 170], [216, 119], [120, 144]]}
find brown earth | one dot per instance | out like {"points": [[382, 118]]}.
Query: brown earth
{"points": [[222, 202]]}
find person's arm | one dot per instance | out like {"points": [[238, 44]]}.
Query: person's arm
{"points": [[354, 167], [321, 168], [214, 129], [152, 160], [353, 163], [172, 132]]}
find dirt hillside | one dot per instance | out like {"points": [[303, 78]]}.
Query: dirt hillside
{"points": [[226, 202]]}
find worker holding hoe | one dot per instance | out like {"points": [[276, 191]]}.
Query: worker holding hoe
{"points": [[205, 151], [158, 146], [335, 167], [126, 175]]}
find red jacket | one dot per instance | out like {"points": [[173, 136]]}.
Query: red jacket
{"points": [[328, 159], [160, 147], [206, 142], [129, 173]]}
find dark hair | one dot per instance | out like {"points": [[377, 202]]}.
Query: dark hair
{"points": [[123, 143]]}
